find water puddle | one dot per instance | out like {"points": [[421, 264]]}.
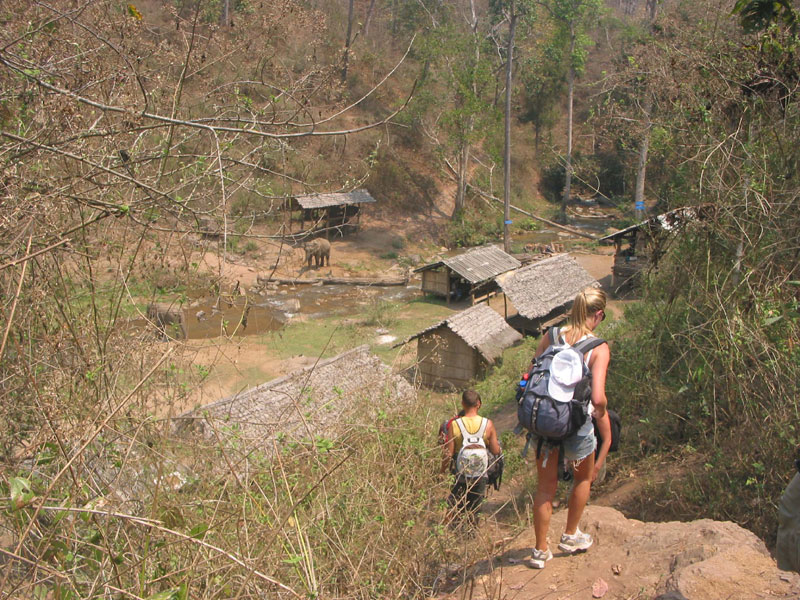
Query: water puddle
{"points": [[204, 320], [270, 310], [317, 301]]}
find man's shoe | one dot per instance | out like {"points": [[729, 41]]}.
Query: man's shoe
{"points": [[576, 542], [539, 558]]}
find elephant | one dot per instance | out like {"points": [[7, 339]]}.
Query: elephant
{"points": [[208, 228], [168, 318], [319, 249]]}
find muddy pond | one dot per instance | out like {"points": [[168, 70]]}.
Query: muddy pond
{"points": [[269, 310]]}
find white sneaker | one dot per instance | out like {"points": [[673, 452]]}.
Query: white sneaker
{"points": [[538, 558], [576, 542]]}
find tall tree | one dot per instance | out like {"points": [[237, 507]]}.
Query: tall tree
{"points": [[347, 40], [572, 18], [543, 88], [512, 28], [460, 71], [644, 147]]}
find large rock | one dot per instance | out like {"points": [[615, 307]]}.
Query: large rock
{"points": [[705, 559], [698, 560]]}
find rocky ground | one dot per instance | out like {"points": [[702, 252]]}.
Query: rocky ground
{"points": [[699, 560]]}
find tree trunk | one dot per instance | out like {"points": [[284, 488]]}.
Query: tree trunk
{"points": [[368, 18], [463, 160], [570, 94], [225, 13], [463, 154], [347, 40], [512, 26], [652, 9], [641, 169]]}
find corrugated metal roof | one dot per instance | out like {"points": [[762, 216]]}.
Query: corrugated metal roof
{"points": [[481, 328], [337, 199], [667, 221], [477, 265], [543, 286]]}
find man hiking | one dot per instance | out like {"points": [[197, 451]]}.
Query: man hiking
{"points": [[470, 440]]}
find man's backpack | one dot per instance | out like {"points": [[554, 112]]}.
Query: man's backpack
{"points": [[472, 460], [494, 476], [554, 404]]}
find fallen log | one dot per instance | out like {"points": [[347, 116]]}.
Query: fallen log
{"points": [[335, 281]]}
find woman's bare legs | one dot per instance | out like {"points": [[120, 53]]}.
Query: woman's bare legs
{"points": [[579, 496], [546, 487]]}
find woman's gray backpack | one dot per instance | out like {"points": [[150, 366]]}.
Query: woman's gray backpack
{"points": [[555, 402]]}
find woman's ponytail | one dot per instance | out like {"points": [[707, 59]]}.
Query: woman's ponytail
{"points": [[586, 303]]}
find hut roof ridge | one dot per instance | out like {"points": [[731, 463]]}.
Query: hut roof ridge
{"points": [[668, 221], [537, 289], [314, 396], [309, 201], [481, 328], [478, 264]]}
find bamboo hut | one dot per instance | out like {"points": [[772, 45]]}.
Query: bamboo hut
{"points": [[640, 246], [537, 296], [455, 351], [469, 274], [339, 213], [349, 388]]}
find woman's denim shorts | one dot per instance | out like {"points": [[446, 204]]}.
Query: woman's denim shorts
{"points": [[576, 448]]}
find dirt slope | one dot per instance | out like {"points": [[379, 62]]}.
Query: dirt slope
{"points": [[702, 560]]}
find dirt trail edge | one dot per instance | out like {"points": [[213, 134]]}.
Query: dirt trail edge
{"points": [[699, 560]]}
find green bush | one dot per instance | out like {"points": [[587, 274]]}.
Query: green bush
{"points": [[551, 182], [474, 227], [708, 363]]}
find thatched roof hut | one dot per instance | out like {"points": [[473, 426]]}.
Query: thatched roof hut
{"points": [[306, 402], [338, 212], [456, 350], [470, 273], [541, 292]]}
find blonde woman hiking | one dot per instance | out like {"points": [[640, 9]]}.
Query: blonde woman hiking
{"points": [[588, 311]]}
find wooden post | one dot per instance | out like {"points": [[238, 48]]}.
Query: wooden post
{"points": [[447, 293], [617, 251]]}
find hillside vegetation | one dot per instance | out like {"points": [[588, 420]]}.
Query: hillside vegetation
{"points": [[127, 130]]}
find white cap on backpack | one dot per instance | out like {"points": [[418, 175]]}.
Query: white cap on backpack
{"points": [[566, 371]]}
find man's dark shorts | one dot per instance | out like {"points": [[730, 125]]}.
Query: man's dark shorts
{"points": [[467, 494]]}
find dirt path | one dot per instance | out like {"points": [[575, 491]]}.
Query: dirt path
{"points": [[631, 560]]}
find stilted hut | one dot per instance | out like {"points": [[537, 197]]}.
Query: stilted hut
{"points": [[538, 296], [455, 351], [469, 274], [319, 398], [336, 214], [642, 245]]}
